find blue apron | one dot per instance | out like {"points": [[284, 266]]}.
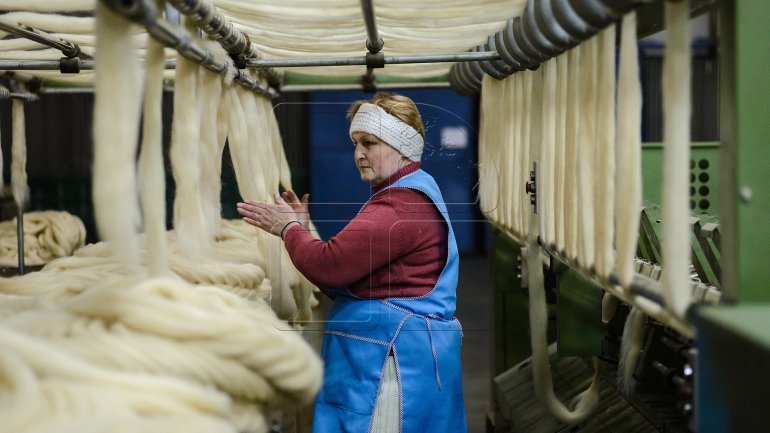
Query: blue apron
{"points": [[421, 333]]}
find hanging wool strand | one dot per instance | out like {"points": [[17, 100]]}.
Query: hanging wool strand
{"points": [[115, 126], [629, 147], [676, 159]]}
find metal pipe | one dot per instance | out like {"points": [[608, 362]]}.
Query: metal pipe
{"points": [[53, 65], [20, 237], [144, 12], [353, 86], [361, 60], [374, 42], [39, 65], [67, 48]]}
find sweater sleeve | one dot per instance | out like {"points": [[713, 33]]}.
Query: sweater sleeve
{"points": [[370, 241]]}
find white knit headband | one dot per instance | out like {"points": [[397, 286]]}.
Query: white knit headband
{"points": [[372, 119]]}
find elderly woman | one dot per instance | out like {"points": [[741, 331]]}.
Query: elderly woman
{"points": [[391, 345]]}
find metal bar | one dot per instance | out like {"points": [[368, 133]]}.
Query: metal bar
{"points": [[67, 48], [39, 65], [145, 13], [339, 87], [53, 65], [20, 237], [361, 60], [374, 42]]}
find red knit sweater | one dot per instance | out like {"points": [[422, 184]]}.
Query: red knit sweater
{"points": [[396, 246]]}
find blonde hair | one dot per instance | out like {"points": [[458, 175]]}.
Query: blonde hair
{"points": [[396, 105]]}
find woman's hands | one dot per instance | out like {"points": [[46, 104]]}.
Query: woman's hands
{"points": [[300, 207], [272, 218]]}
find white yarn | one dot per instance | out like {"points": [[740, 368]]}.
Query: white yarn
{"points": [[629, 143], [586, 401], [284, 173], [152, 173], [185, 154], [256, 150], [333, 29], [54, 23], [212, 142], [536, 143], [676, 159], [488, 140], [630, 349], [510, 172], [520, 198], [116, 119], [19, 156], [237, 140], [526, 138], [605, 153], [547, 177], [70, 388], [571, 212], [399, 135], [609, 307], [48, 5], [586, 153], [47, 235], [560, 165]]}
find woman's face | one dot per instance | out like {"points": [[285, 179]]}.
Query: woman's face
{"points": [[375, 159]]}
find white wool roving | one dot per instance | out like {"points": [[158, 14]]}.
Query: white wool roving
{"points": [[47, 236], [55, 23], [185, 154], [152, 173], [537, 141], [562, 74], [586, 152], [630, 349], [571, 225], [676, 159], [256, 150], [548, 152], [587, 400], [521, 200], [629, 148], [19, 156], [238, 144], [281, 162], [115, 129], [510, 172], [488, 179], [526, 139], [211, 145], [262, 150], [495, 142], [49, 5], [604, 186]]}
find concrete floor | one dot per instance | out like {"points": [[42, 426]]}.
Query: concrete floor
{"points": [[476, 313]]}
